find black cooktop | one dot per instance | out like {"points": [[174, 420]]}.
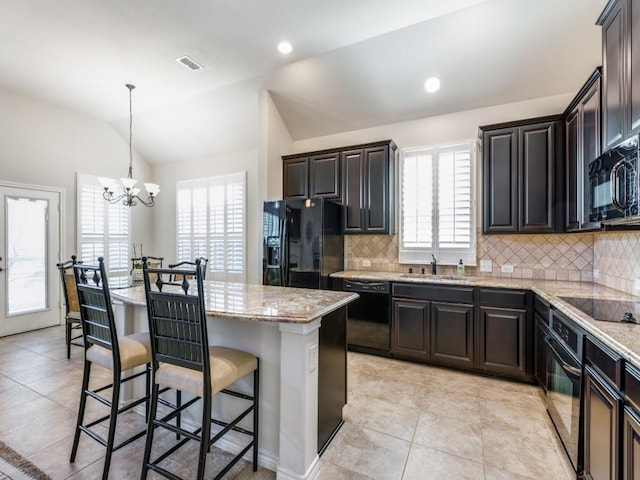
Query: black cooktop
{"points": [[607, 310]]}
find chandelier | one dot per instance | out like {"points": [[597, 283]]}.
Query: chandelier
{"points": [[127, 192]]}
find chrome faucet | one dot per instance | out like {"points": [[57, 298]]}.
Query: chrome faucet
{"points": [[434, 265]]}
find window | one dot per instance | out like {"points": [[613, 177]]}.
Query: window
{"points": [[103, 230], [211, 218], [437, 205]]}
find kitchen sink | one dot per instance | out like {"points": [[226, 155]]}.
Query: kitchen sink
{"points": [[432, 277]]}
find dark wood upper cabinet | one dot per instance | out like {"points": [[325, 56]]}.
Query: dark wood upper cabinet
{"points": [[360, 177], [522, 179], [367, 189], [574, 210], [324, 176], [582, 138], [311, 176], [633, 12], [613, 73], [295, 175], [620, 23], [352, 175], [500, 173]]}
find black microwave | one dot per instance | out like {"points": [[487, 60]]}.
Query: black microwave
{"points": [[613, 185]]}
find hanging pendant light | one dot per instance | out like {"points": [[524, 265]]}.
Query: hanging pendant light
{"points": [[127, 192]]}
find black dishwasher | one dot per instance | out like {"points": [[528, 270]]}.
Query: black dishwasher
{"points": [[368, 326]]}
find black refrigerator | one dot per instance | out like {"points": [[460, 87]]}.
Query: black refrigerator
{"points": [[303, 243]]}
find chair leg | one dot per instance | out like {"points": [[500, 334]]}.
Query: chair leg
{"points": [[256, 402], [178, 405], [147, 378], [150, 429], [68, 337], [206, 434], [115, 398], [81, 408]]}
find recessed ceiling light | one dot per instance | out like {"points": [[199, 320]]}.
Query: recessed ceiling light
{"points": [[432, 84], [285, 47]]}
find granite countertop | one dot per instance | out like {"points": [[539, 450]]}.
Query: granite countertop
{"points": [[256, 302], [622, 337]]}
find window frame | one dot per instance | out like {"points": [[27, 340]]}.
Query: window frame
{"points": [[205, 238], [444, 256], [118, 275]]}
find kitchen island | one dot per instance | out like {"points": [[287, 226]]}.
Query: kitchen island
{"points": [[280, 326]]}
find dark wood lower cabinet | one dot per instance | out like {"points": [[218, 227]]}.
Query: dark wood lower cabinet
{"points": [[631, 444], [451, 334], [410, 327], [502, 340], [602, 405], [488, 330]]}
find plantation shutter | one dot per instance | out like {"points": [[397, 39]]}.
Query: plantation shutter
{"points": [[211, 219], [436, 205], [103, 230]]}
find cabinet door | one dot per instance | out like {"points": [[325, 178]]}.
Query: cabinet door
{"points": [[601, 420], [324, 176], [540, 352], [633, 37], [590, 133], [500, 180], [353, 194], [409, 328], [295, 178], [502, 340], [574, 180], [536, 169], [376, 190], [613, 66], [451, 334], [631, 445]]}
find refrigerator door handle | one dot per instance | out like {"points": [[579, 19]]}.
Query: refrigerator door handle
{"points": [[284, 254]]}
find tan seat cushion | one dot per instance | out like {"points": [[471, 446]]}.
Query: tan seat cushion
{"points": [[227, 366], [74, 316], [135, 350]]}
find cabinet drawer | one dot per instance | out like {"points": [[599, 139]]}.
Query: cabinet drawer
{"points": [[605, 360], [433, 292], [503, 298], [632, 384]]}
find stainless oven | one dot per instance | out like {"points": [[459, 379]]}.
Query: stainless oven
{"points": [[564, 345], [613, 185]]}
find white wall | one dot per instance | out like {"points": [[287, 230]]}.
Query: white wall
{"points": [[275, 141], [440, 129], [164, 221], [43, 144]]}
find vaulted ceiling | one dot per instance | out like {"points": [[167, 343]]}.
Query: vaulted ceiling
{"points": [[355, 63]]}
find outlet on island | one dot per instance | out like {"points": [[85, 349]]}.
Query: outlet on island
{"points": [[506, 268], [366, 263]]}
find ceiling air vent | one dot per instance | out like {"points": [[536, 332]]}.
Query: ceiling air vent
{"points": [[190, 63]]}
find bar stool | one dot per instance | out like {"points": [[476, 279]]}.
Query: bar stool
{"points": [[187, 264], [103, 347], [72, 319], [183, 360]]}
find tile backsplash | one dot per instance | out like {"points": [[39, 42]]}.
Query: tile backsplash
{"points": [[551, 257], [617, 260], [613, 257]]}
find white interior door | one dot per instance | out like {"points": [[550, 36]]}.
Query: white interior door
{"points": [[29, 251]]}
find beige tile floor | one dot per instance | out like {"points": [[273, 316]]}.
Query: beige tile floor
{"points": [[403, 421]]}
